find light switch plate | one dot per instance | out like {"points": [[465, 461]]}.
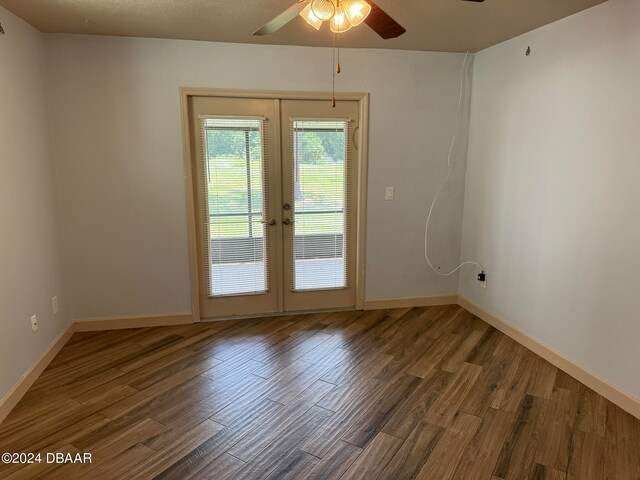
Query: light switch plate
{"points": [[389, 193]]}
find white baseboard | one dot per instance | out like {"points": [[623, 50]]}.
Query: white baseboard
{"points": [[13, 396], [615, 394], [410, 302], [118, 323]]}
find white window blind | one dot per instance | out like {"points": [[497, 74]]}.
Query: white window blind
{"points": [[234, 179], [320, 206]]}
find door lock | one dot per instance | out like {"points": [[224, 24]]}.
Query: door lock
{"points": [[286, 206]]}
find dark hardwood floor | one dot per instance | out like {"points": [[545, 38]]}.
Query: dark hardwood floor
{"points": [[426, 393]]}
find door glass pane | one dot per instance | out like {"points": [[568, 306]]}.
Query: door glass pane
{"points": [[319, 152], [234, 181]]}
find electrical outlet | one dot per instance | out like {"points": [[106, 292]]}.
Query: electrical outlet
{"points": [[54, 305], [482, 278], [388, 193], [34, 323]]}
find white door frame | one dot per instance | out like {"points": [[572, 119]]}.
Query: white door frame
{"points": [[361, 139]]}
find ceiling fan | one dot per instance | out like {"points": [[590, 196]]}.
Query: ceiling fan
{"points": [[341, 15]]}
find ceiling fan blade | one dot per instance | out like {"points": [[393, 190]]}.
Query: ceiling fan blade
{"points": [[281, 20], [382, 23]]}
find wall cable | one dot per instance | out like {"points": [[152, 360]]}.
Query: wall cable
{"points": [[444, 183]]}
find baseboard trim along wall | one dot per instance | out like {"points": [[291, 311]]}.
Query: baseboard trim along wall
{"points": [[620, 397], [141, 321], [410, 302], [13, 396], [591, 379]]}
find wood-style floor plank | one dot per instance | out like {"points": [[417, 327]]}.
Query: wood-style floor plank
{"points": [[410, 414], [374, 458], [434, 355], [448, 403], [542, 472], [483, 450], [280, 423], [592, 412], [410, 393], [413, 453], [276, 456], [510, 394], [330, 432], [542, 379], [622, 440], [555, 441], [175, 454], [517, 456], [225, 467], [367, 427], [451, 448], [481, 396], [335, 463], [586, 461]]}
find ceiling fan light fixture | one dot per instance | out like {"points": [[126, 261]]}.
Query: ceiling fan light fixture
{"points": [[356, 10], [310, 17], [340, 22], [323, 9]]}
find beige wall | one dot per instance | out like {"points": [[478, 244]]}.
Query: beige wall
{"points": [[553, 197], [30, 263], [119, 157]]}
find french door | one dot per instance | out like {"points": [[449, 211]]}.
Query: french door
{"points": [[276, 212]]}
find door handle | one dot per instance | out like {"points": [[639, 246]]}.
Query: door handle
{"points": [[271, 222], [287, 221]]}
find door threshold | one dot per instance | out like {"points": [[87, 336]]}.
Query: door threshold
{"points": [[277, 314]]}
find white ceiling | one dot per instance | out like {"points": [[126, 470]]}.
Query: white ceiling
{"points": [[436, 25]]}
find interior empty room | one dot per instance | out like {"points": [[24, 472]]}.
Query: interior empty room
{"points": [[320, 239]]}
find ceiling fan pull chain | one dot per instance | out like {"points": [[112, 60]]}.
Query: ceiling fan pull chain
{"points": [[333, 72], [338, 47]]}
